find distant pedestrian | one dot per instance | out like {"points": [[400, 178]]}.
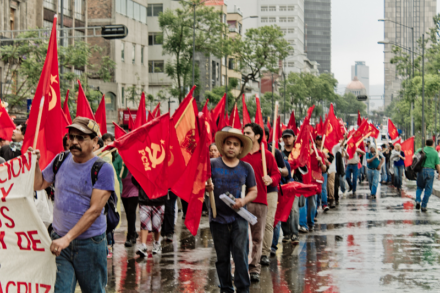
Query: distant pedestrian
{"points": [[13, 150], [399, 166], [375, 160], [352, 170]]}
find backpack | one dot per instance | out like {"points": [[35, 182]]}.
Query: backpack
{"points": [[110, 210], [410, 174], [418, 161]]}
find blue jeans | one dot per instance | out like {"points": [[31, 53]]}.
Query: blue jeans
{"points": [[342, 183], [324, 193], [373, 180], [425, 180], [352, 169], [383, 173], [388, 173], [232, 239], [276, 237], [398, 171], [307, 212], [85, 261]]}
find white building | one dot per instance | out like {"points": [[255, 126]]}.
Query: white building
{"points": [[362, 72]]}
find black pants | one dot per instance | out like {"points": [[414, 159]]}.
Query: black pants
{"points": [[168, 218], [184, 206], [130, 205], [336, 187]]}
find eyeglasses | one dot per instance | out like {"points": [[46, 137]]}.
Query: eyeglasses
{"points": [[79, 138]]}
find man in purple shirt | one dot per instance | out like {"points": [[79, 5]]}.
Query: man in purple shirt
{"points": [[79, 223]]}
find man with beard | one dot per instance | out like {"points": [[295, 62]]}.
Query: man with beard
{"points": [[79, 223], [13, 150]]}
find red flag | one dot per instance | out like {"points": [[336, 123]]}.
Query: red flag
{"points": [[7, 126], [220, 108], [130, 120], [246, 117], [359, 122], [292, 123], [234, 121], [119, 132], [408, 149], [259, 117], [141, 116], [52, 125], [227, 118], [191, 185], [156, 111], [358, 137], [270, 130], [278, 132], [332, 130], [392, 130], [144, 151], [66, 108], [374, 132], [211, 128], [150, 116], [319, 127], [283, 127], [82, 104], [300, 155], [101, 117]]}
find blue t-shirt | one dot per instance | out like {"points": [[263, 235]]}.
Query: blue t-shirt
{"points": [[73, 191], [230, 180], [375, 163], [400, 162]]}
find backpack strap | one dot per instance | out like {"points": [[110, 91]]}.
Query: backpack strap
{"points": [[59, 159], [95, 170]]}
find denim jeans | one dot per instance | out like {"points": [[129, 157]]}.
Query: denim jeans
{"points": [[324, 193], [352, 169], [373, 180], [388, 172], [342, 184], [383, 173], [232, 239], [398, 171], [425, 180], [85, 261], [307, 212], [276, 237]]}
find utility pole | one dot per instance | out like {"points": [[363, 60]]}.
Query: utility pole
{"points": [[194, 44], [423, 91], [273, 107], [61, 36]]}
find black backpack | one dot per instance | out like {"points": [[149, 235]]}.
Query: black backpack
{"points": [[410, 174], [111, 211], [418, 161]]}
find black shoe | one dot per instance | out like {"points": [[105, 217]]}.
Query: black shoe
{"points": [[332, 206], [350, 188], [255, 277], [264, 261], [424, 209], [295, 239], [273, 253], [417, 206], [337, 202], [128, 243], [286, 238], [311, 228]]}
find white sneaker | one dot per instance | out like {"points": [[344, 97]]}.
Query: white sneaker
{"points": [[157, 248], [142, 251]]}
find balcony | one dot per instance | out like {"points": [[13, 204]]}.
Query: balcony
{"points": [[233, 30]]}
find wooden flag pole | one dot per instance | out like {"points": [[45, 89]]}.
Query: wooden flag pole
{"points": [[107, 152], [263, 158], [212, 201], [37, 130], [183, 114], [275, 116], [122, 170], [323, 141]]}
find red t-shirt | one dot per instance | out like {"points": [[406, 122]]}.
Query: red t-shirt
{"points": [[316, 169], [256, 162]]}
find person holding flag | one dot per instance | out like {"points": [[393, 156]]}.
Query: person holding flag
{"points": [[375, 160], [353, 170]]}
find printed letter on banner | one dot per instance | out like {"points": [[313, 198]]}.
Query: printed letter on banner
{"points": [[26, 263]]}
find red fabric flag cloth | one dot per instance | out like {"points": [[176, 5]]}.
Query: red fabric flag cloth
{"points": [[246, 117], [374, 132], [397, 140], [119, 132], [361, 133], [359, 122], [156, 110], [66, 108], [130, 120], [53, 122], [185, 123], [82, 105], [222, 119], [287, 196], [144, 151], [300, 155], [332, 130], [234, 120], [220, 108], [141, 116], [7, 126], [408, 149], [259, 117], [270, 130], [101, 117], [150, 116], [191, 185], [211, 128], [392, 130], [292, 123]]}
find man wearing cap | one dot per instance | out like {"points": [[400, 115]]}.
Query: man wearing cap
{"points": [[79, 223], [229, 230], [259, 207]]}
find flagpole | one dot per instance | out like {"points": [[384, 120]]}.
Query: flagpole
{"points": [[212, 201], [37, 130], [275, 116], [323, 141], [263, 158], [183, 114]]}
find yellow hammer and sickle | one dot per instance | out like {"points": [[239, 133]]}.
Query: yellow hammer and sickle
{"points": [[53, 94], [153, 156]]}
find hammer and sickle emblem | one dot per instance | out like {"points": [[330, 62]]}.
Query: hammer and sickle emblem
{"points": [[53, 94], [296, 151], [329, 129], [153, 153]]}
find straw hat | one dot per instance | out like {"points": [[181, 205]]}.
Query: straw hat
{"points": [[226, 132]]}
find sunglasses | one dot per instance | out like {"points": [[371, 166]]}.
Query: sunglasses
{"points": [[79, 138]]}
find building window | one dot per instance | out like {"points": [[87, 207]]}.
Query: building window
{"points": [[137, 11], [154, 39], [12, 19], [66, 7], [272, 19], [291, 19], [231, 64], [291, 8], [292, 42], [291, 31], [156, 66], [283, 8], [283, 19], [272, 8], [123, 95], [79, 4], [142, 54], [143, 14], [239, 28], [154, 9], [123, 52], [133, 54], [284, 31], [264, 8], [291, 64], [130, 6], [50, 4], [264, 19]]}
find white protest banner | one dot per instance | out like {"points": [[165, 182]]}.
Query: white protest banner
{"points": [[26, 263]]}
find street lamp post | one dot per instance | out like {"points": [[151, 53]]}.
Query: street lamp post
{"points": [[423, 91], [194, 44]]}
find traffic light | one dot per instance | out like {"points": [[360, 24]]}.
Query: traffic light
{"points": [[362, 98], [116, 31]]}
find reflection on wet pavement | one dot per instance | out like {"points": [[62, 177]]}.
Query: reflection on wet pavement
{"points": [[364, 245]]}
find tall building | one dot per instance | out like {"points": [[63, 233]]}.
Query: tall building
{"points": [[410, 13], [317, 22], [362, 72]]}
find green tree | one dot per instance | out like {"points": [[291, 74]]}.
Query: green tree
{"points": [[177, 37], [348, 104]]}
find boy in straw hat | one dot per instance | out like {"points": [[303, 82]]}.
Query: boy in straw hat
{"points": [[229, 230]]}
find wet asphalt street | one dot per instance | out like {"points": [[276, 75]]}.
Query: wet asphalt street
{"points": [[363, 245]]}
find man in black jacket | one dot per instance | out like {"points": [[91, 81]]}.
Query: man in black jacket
{"points": [[13, 150]]}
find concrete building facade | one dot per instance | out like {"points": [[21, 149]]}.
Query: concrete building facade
{"points": [[362, 72], [317, 40], [411, 13]]}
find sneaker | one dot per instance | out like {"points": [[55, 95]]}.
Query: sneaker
{"points": [[286, 238], [311, 228], [157, 248], [350, 189], [264, 261], [417, 206], [316, 219], [424, 209], [142, 251], [110, 252], [325, 208], [333, 205], [273, 253], [128, 243], [295, 239], [303, 229], [255, 277], [168, 238]]}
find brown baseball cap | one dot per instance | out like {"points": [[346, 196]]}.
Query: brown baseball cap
{"points": [[85, 125]]}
